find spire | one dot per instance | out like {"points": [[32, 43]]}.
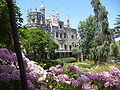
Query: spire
{"points": [[42, 6], [52, 13], [68, 21], [30, 10], [57, 14], [35, 9]]}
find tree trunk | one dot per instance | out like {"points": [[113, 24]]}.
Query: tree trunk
{"points": [[17, 44], [78, 58], [81, 57]]}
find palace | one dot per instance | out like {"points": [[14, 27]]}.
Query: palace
{"points": [[61, 33]]}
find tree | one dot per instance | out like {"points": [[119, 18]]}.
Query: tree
{"points": [[76, 52], [103, 37], [38, 42], [5, 34], [87, 31], [115, 49], [14, 32], [117, 28]]}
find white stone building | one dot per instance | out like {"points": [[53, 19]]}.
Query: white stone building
{"points": [[61, 33]]}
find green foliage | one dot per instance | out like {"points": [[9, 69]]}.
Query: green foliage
{"points": [[64, 60], [103, 37], [103, 67], [5, 31], [76, 52], [117, 27], [38, 42], [87, 31], [13, 85], [54, 85], [115, 49]]}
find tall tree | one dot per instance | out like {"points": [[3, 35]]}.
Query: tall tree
{"points": [[5, 34], [87, 31], [103, 37], [117, 27], [14, 32]]}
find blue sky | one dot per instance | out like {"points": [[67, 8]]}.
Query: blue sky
{"points": [[78, 10]]}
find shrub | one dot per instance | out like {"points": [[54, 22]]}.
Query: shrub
{"points": [[63, 60], [57, 78]]}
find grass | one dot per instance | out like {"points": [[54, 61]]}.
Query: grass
{"points": [[90, 66]]}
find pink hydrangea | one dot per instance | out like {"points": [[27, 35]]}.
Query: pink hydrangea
{"points": [[114, 71]]}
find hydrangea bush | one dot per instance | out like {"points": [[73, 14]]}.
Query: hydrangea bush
{"points": [[56, 78]]}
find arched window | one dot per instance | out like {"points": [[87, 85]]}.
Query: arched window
{"points": [[56, 34], [64, 35], [57, 47], [61, 45], [60, 26], [60, 35], [73, 44], [72, 36], [65, 47], [70, 47]]}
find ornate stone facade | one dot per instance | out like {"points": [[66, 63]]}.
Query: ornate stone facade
{"points": [[62, 34]]}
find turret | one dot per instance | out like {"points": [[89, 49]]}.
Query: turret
{"points": [[42, 10]]}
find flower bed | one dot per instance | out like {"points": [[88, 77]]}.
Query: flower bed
{"points": [[56, 78]]}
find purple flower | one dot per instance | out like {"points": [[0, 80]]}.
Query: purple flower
{"points": [[75, 83], [30, 85], [15, 75], [58, 66], [56, 70], [87, 87], [7, 55], [106, 84], [83, 79], [62, 78], [43, 88], [92, 76], [49, 74], [114, 71], [5, 77], [104, 76], [7, 69]]}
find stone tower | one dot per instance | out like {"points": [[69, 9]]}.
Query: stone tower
{"points": [[42, 10]]}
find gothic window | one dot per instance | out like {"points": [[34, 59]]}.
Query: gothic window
{"points": [[72, 36], [64, 35], [60, 26], [60, 35], [70, 47], [73, 44], [57, 47], [65, 47], [33, 20], [61, 45], [56, 34]]}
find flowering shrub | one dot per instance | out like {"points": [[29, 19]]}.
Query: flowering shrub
{"points": [[9, 71], [56, 78]]}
